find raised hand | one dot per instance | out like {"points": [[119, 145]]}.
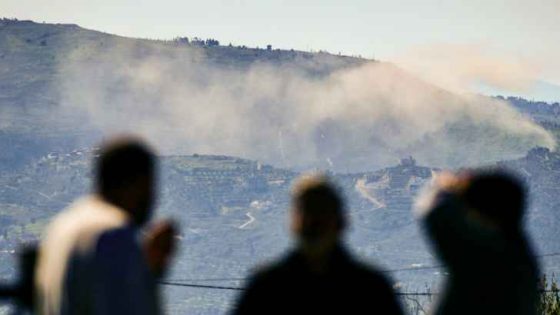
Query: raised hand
{"points": [[159, 246]]}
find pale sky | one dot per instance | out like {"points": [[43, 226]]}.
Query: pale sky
{"points": [[526, 33]]}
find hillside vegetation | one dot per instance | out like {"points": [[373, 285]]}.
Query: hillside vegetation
{"points": [[62, 87]]}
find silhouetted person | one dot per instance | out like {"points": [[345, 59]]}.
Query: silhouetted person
{"points": [[93, 259], [475, 225], [21, 293], [319, 276]]}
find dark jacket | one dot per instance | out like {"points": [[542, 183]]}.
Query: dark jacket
{"points": [[490, 271], [347, 287]]}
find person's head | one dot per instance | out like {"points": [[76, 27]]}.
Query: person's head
{"points": [[318, 218], [498, 196], [125, 176]]}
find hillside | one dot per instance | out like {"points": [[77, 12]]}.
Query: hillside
{"points": [[30, 58], [540, 111], [233, 214], [62, 86], [30, 54]]}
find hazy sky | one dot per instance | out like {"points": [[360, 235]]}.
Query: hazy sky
{"points": [[524, 33]]}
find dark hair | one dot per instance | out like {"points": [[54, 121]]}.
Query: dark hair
{"points": [[120, 163], [317, 196], [498, 195]]}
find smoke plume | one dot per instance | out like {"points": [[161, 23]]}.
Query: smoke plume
{"points": [[352, 118], [460, 68]]}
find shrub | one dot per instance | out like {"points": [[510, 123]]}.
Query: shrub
{"points": [[549, 300]]}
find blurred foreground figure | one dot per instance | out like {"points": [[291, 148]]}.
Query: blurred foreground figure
{"points": [[92, 259], [475, 225], [21, 293], [318, 276]]}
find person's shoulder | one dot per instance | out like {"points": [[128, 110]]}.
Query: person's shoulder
{"points": [[367, 269], [370, 274], [275, 270], [86, 220], [371, 281], [69, 216], [66, 226], [86, 213]]}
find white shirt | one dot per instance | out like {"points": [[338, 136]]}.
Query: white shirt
{"points": [[90, 262]]}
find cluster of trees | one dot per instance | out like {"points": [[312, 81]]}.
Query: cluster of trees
{"points": [[532, 107], [549, 303], [210, 42], [8, 21], [195, 41]]}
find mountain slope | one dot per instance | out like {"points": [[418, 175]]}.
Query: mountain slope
{"points": [[64, 86]]}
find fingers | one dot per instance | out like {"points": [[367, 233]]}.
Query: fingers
{"points": [[160, 245], [163, 236]]}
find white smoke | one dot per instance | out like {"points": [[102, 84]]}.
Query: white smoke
{"points": [[461, 67], [355, 118]]}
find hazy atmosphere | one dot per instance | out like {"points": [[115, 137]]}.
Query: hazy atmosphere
{"points": [[349, 120], [238, 100], [519, 37]]}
